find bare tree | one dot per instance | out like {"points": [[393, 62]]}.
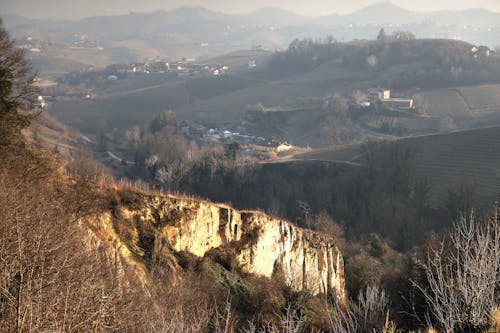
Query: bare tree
{"points": [[55, 274], [289, 322], [463, 274], [307, 211], [372, 61], [368, 314], [368, 152]]}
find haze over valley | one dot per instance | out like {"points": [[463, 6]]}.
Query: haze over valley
{"points": [[250, 167]]}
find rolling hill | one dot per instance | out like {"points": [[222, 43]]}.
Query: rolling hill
{"points": [[182, 31], [299, 85], [455, 161]]}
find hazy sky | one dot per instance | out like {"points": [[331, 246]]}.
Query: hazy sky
{"points": [[81, 8]]}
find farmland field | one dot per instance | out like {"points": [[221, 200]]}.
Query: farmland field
{"points": [[444, 103], [347, 153], [406, 124], [132, 102], [119, 111], [448, 161], [469, 158], [482, 97]]}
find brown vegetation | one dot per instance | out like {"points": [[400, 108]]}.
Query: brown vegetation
{"points": [[462, 276], [54, 277]]}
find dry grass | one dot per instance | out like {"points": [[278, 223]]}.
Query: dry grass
{"points": [[54, 276], [495, 320]]}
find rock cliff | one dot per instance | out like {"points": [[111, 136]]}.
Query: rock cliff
{"points": [[263, 245]]}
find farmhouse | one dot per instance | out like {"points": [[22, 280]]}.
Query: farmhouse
{"points": [[398, 103], [481, 52], [284, 147], [378, 94], [363, 105], [384, 96]]}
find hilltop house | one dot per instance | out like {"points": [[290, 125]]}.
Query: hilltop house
{"points": [[481, 52]]}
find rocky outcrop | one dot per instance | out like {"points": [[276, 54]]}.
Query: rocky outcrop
{"points": [[263, 245]]}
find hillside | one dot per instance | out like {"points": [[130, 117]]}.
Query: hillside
{"points": [[377, 14], [421, 68], [196, 31], [143, 255], [461, 161], [192, 195], [257, 243]]}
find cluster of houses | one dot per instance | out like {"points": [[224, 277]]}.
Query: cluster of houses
{"points": [[82, 41], [31, 44], [182, 68], [218, 135], [256, 144], [481, 52], [35, 45]]}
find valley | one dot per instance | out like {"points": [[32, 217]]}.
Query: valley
{"points": [[187, 170]]}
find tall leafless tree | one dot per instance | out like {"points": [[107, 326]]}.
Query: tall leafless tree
{"points": [[463, 274], [368, 314]]}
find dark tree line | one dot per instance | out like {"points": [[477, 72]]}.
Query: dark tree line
{"points": [[383, 195], [429, 62], [16, 87]]}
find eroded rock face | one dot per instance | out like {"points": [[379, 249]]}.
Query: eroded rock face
{"points": [[264, 245]]}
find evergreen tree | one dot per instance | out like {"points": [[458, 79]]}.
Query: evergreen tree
{"points": [[16, 87], [382, 36]]}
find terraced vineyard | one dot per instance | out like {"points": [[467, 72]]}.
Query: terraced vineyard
{"points": [[482, 97], [445, 103], [421, 125], [379, 122], [347, 153], [448, 161], [469, 158]]}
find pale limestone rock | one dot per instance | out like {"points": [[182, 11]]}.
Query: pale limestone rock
{"points": [[265, 245]]}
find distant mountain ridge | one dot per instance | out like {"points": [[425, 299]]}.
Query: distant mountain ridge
{"points": [[380, 13], [196, 32]]}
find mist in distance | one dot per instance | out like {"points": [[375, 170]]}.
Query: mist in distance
{"points": [[63, 9]]}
